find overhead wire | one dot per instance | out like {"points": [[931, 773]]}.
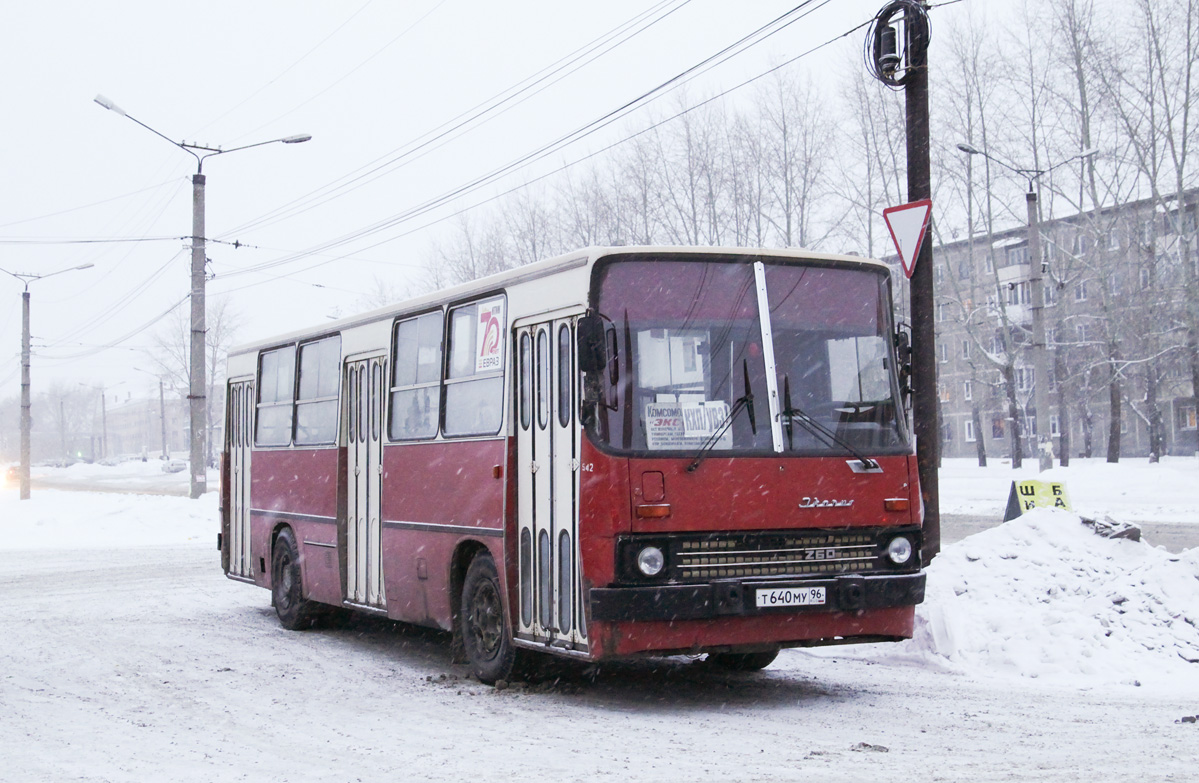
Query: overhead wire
{"points": [[563, 167], [86, 206], [752, 39], [468, 120], [284, 72], [349, 73]]}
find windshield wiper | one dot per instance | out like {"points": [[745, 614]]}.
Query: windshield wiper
{"points": [[745, 401], [792, 414]]}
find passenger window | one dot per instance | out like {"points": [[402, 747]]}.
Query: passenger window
{"points": [[564, 376], [276, 385], [474, 386], [415, 398], [316, 406]]}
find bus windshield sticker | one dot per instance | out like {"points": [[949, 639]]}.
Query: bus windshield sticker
{"points": [[490, 337], [701, 419], [667, 428]]}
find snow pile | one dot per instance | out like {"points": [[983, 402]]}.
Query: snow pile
{"points": [[1043, 595], [1132, 490], [53, 519]]}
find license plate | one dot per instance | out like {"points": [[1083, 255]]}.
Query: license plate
{"points": [[790, 596]]}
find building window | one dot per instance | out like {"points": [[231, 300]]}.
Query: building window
{"points": [[968, 427], [1186, 417], [1025, 378], [989, 264], [968, 391], [1084, 333], [964, 269], [943, 352], [1017, 256], [1113, 238], [947, 432], [939, 273], [965, 349], [1080, 291], [997, 428], [1054, 429], [1144, 278], [943, 392], [1082, 243], [942, 312]]}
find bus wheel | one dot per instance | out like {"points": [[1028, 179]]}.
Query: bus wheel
{"points": [[743, 662], [287, 589], [485, 634]]}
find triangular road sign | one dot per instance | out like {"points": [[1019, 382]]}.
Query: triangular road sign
{"points": [[907, 224]]}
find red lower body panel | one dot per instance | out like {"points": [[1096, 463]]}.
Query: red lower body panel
{"points": [[615, 639]]}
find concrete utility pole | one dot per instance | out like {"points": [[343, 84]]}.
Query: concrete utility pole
{"points": [[162, 417], [1036, 282], [1040, 351], [197, 395], [909, 70], [26, 397], [26, 414]]}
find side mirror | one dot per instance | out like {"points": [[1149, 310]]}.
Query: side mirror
{"points": [[903, 355], [593, 356]]}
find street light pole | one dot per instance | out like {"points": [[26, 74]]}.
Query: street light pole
{"points": [[197, 388], [1036, 282], [26, 397], [1040, 351]]}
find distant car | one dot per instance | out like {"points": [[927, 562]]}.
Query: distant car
{"points": [[174, 466], [12, 476]]}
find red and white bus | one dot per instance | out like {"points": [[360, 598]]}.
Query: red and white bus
{"points": [[618, 451]]}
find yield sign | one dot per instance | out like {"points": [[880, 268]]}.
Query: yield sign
{"points": [[907, 224]]}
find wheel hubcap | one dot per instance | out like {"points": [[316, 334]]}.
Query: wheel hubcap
{"points": [[486, 622]]}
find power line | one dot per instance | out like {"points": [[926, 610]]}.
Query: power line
{"points": [[86, 206], [743, 44], [469, 120]]}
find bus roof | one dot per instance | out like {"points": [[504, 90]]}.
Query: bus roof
{"points": [[585, 256]]}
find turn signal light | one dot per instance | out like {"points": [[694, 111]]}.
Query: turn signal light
{"points": [[896, 504], [653, 510]]}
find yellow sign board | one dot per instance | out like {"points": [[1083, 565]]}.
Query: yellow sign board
{"points": [[1032, 493]]}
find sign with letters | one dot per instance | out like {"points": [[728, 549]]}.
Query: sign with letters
{"points": [[1033, 493]]}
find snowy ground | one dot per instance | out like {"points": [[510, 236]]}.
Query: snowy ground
{"points": [[1043, 653]]}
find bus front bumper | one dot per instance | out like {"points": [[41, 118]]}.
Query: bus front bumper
{"points": [[742, 598]]}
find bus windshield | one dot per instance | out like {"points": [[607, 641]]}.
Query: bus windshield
{"points": [[688, 363]]}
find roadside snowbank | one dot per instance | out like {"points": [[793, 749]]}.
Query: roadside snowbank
{"points": [[1042, 596], [55, 519], [1132, 490]]}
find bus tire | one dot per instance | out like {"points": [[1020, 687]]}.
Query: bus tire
{"points": [[486, 636], [287, 587], [743, 662]]}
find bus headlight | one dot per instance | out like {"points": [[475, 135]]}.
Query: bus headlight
{"points": [[899, 550], [650, 561]]}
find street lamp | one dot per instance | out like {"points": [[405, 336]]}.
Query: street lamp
{"points": [[26, 417], [197, 394], [1036, 271]]}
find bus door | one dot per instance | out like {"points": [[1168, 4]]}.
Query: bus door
{"points": [[548, 485], [364, 469], [241, 437]]}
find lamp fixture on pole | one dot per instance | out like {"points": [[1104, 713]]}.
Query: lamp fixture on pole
{"points": [[197, 393]]}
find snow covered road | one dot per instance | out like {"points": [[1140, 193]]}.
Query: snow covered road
{"points": [[144, 663]]}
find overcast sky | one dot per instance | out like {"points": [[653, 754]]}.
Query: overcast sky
{"points": [[367, 80]]}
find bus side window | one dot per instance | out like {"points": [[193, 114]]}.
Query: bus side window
{"points": [[276, 387], [474, 384], [416, 378], [316, 404]]}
